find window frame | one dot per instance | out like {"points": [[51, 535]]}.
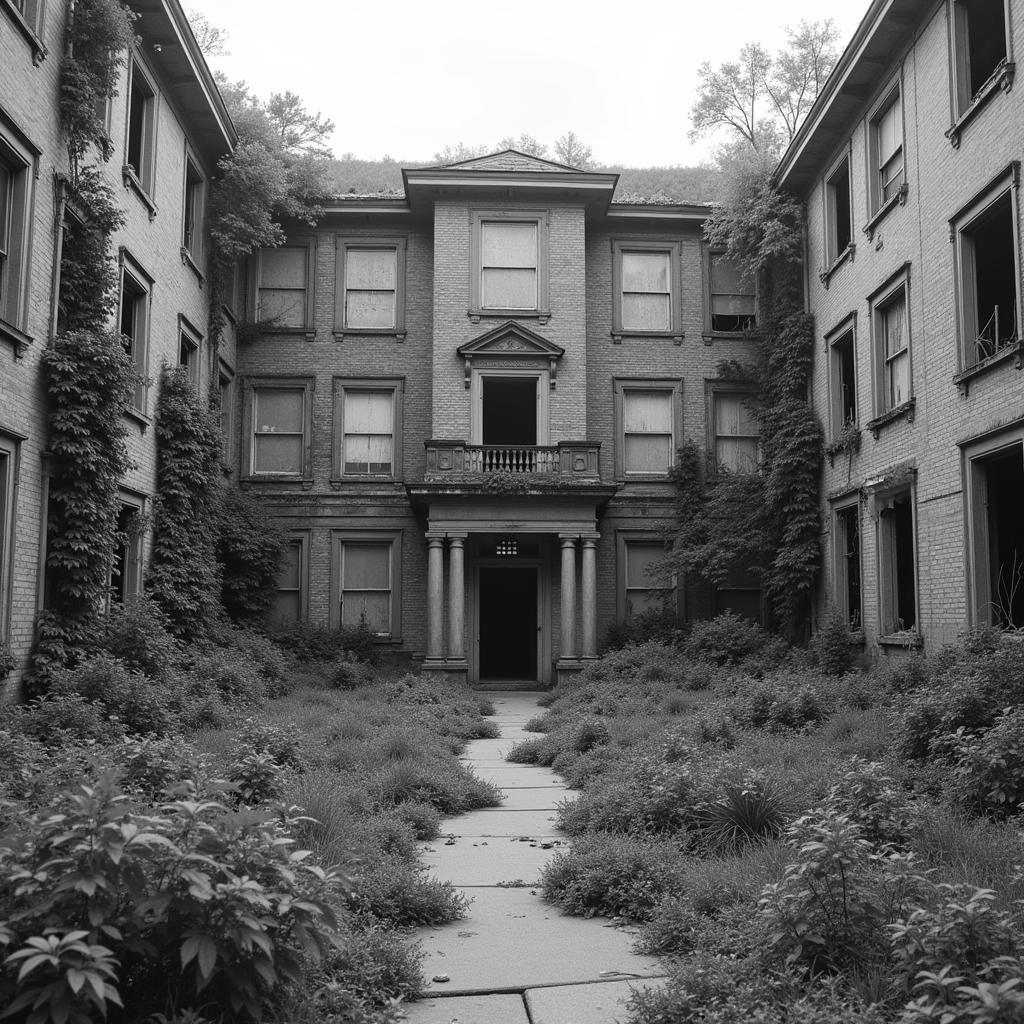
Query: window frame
{"points": [[841, 556], [142, 180], [623, 539], [301, 539], [10, 450], [226, 410], [886, 553], [710, 254], [193, 213], [307, 328], [714, 389], [1005, 184], [30, 22], [835, 256], [133, 548], [379, 243], [393, 385], [621, 386], [21, 159], [672, 249], [878, 206], [143, 283], [191, 336], [964, 104], [878, 302], [846, 328], [392, 537], [252, 386], [477, 310]]}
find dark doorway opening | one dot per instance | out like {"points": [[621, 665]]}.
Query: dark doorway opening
{"points": [[508, 622], [510, 410], [1004, 487]]}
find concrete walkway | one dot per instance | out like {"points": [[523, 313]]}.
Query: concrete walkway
{"points": [[516, 959]]}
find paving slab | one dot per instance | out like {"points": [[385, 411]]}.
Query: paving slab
{"points": [[503, 1009], [512, 940], [601, 1003], [479, 861], [494, 821], [516, 776], [532, 798]]}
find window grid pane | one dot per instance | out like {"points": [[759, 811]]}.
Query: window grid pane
{"points": [[647, 431], [368, 441], [504, 288], [508, 244], [366, 585]]}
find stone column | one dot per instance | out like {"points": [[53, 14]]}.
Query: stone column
{"points": [[435, 598], [589, 597], [568, 598], [456, 599]]}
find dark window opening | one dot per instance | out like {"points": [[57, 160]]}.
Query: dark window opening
{"points": [[121, 583], [508, 622], [192, 211], [848, 523], [132, 315], [899, 521], [846, 381], [741, 595], [510, 410], [995, 286], [986, 40], [136, 127], [1004, 489], [839, 212]]}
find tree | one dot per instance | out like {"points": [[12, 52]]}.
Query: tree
{"points": [[760, 100], [524, 144], [301, 132], [459, 152], [211, 39], [571, 151]]}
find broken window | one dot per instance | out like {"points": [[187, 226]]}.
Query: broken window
{"points": [[847, 564], [979, 46], [141, 141], [133, 321], [844, 382], [838, 219], [283, 286], [733, 297], [897, 563]]}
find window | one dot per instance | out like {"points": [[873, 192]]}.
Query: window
{"points": [[885, 145], [133, 321], [733, 299], [995, 507], [140, 148], [846, 555], [27, 16], [371, 286], [193, 206], [226, 409], [842, 377], [890, 325], [897, 571], [367, 570], [647, 587], [646, 296], [16, 163], [739, 594], [290, 600], [126, 569], [233, 298], [509, 263], [736, 432], [979, 30], [189, 341], [284, 287], [838, 212], [988, 273], [8, 486], [279, 428], [647, 413], [367, 421]]}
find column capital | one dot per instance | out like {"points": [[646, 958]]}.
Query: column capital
{"points": [[457, 539], [591, 542], [568, 538], [433, 539]]}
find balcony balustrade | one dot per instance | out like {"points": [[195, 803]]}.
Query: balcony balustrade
{"points": [[458, 462]]}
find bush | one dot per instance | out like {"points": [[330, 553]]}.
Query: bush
{"points": [[138, 635], [730, 639], [988, 767], [318, 643], [748, 810], [659, 626], [392, 891], [831, 644], [249, 546]]}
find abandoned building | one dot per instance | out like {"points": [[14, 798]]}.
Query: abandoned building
{"points": [[463, 403]]}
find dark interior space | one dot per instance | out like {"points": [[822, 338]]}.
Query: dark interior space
{"points": [[992, 236], [986, 39], [850, 553], [841, 190], [508, 622], [906, 584], [847, 379], [1004, 487], [510, 410]]}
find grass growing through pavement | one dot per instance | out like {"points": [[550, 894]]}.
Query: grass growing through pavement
{"points": [[801, 846]]}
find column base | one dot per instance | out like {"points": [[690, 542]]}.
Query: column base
{"points": [[454, 671], [567, 669]]}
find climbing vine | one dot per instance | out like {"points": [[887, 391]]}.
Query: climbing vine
{"points": [[768, 522]]}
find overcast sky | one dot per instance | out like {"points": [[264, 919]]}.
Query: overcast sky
{"points": [[406, 77]]}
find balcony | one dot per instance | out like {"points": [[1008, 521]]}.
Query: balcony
{"points": [[567, 462]]}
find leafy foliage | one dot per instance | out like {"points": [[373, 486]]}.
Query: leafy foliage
{"points": [[249, 549]]}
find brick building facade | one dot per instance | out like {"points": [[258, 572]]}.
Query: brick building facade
{"points": [[909, 165], [167, 127]]}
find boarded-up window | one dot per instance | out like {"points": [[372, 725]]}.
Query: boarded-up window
{"points": [[647, 431], [896, 348], [733, 303], [646, 291], [647, 587], [508, 264], [736, 434], [278, 436], [370, 288], [368, 441], [288, 599], [282, 287], [366, 585]]}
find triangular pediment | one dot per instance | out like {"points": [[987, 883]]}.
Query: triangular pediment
{"points": [[509, 160], [511, 339]]}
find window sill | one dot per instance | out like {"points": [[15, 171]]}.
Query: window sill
{"points": [[39, 51], [306, 483], [676, 336], [901, 412], [909, 639], [269, 330], [1000, 80], [385, 483], [476, 315], [370, 332], [712, 336], [899, 199], [11, 334], [134, 183], [188, 260], [1011, 351], [825, 276], [139, 418]]}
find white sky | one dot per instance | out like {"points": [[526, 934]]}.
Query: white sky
{"points": [[406, 77]]}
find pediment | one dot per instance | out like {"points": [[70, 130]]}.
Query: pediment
{"points": [[509, 160], [511, 342]]}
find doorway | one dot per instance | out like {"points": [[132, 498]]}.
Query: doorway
{"points": [[1004, 491], [509, 622]]}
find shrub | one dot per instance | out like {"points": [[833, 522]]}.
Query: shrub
{"points": [[424, 818], [257, 777], [138, 635], [661, 626], [730, 639], [831, 645], [249, 547], [62, 719], [748, 809], [988, 770], [318, 643], [281, 742], [392, 891], [870, 799]]}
